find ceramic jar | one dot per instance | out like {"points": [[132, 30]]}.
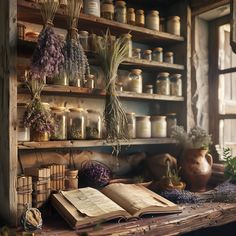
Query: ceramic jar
{"points": [[131, 16], [92, 7], [143, 127], [173, 25], [140, 18], [152, 20], [196, 169], [135, 82], [158, 124], [60, 117]]}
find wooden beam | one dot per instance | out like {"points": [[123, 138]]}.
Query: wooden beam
{"points": [[8, 116]]}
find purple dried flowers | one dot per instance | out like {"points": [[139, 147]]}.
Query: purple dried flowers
{"points": [[38, 118]]}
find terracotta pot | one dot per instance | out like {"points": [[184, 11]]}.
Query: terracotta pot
{"points": [[39, 136], [196, 169]]}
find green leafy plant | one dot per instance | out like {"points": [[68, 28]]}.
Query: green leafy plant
{"points": [[195, 138], [173, 175], [230, 164]]}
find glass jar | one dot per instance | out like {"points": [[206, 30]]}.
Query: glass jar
{"points": [[171, 123], [143, 127], [60, 79], [136, 53], [140, 18], [77, 124], [162, 24], [148, 88], [173, 25], [163, 84], [107, 10], [90, 81], [131, 16], [23, 133], [157, 54], [169, 57], [120, 12], [75, 81], [135, 82], [92, 7], [128, 38], [119, 86], [159, 126], [59, 116], [94, 125], [153, 21], [131, 124], [83, 38], [147, 55], [71, 179], [176, 85]]}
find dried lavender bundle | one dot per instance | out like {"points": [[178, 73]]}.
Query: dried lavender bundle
{"points": [[47, 57], [76, 63]]}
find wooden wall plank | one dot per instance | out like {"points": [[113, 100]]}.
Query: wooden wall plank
{"points": [[8, 112]]}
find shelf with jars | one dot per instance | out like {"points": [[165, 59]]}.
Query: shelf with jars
{"points": [[29, 11], [90, 143], [79, 91]]}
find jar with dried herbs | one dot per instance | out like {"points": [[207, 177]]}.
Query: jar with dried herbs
{"points": [[121, 12], [157, 54], [158, 126], [147, 55], [163, 84], [152, 20], [83, 38], [92, 7], [135, 82], [107, 10], [77, 124], [131, 16], [131, 124], [143, 127], [140, 18], [169, 57], [23, 133], [60, 119], [94, 125], [60, 79], [176, 85], [136, 53]]}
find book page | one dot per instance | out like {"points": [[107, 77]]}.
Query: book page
{"points": [[91, 202], [134, 198]]}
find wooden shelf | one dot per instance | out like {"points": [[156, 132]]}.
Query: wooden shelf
{"points": [[90, 143], [93, 93], [29, 12], [27, 47]]}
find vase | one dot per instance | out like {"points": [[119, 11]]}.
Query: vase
{"points": [[37, 136], [196, 169]]}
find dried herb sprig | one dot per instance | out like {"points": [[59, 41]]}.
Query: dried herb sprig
{"points": [[76, 63], [47, 57], [111, 53]]}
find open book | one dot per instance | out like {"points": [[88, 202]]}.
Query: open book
{"points": [[87, 206]]}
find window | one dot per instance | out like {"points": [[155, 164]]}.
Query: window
{"points": [[222, 87]]}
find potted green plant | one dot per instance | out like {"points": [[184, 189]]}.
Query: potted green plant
{"points": [[195, 162]]}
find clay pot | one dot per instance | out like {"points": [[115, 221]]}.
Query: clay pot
{"points": [[196, 169]]}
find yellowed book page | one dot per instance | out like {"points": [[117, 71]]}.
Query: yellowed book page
{"points": [[91, 202], [134, 198]]}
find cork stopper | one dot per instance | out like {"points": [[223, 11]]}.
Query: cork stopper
{"points": [[120, 3], [169, 54], [148, 51], [154, 13], [140, 12], [57, 108], [164, 74], [175, 18], [136, 71], [158, 49], [158, 117]]}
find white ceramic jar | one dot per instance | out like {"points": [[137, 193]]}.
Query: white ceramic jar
{"points": [[173, 25], [92, 7], [143, 127], [153, 21], [158, 127]]}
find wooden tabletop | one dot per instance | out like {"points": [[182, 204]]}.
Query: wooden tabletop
{"points": [[192, 218]]}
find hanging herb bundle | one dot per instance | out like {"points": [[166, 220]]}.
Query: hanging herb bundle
{"points": [[76, 63], [111, 54], [47, 57]]}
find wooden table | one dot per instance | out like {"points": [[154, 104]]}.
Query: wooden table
{"points": [[192, 218]]}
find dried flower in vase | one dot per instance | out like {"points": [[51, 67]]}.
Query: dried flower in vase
{"points": [[111, 53], [76, 63], [47, 57]]}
